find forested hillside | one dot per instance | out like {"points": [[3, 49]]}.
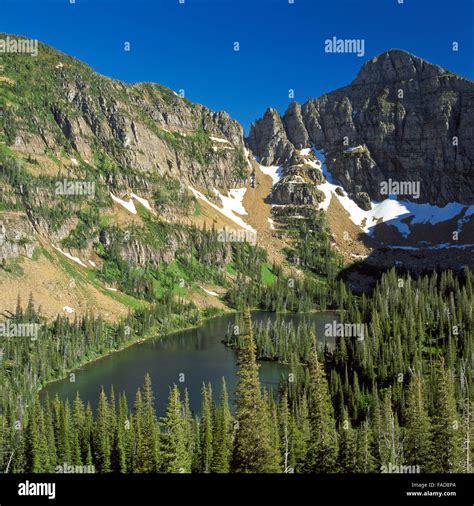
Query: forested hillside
{"points": [[398, 397]]}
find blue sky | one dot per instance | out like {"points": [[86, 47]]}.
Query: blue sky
{"points": [[191, 46]]}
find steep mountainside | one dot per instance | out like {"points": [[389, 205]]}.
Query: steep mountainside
{"points": [[113, 195], [94, 173], [401, 118], [389, 159], [53, 102]]}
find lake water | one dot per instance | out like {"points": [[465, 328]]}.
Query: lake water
{"points": [[198, 354]]}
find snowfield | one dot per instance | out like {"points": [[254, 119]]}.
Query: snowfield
{"points": [[391, 210], [218, 139], [209, 292], [68, 255], [217, 148], [233, 202], [129, 206], [247, 158], [230, 205], [274, 171], [143, 202]]}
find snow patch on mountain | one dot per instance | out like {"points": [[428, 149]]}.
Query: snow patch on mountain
{"points": [[71, 257], [390, 211], [143, 202], [218, 139], [231, 204], [129, 206], [274, 171], [209, 292]]}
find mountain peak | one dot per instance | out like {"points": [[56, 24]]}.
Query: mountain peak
{"points": [[396, 65]]}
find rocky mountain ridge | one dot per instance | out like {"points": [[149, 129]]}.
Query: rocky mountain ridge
{"points": [[54, 103], [402, 118], [160, 168]]}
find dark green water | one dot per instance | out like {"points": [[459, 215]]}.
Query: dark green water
{"points": [[197, 353]]}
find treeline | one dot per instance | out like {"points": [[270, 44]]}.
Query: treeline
{"points": [[312, 249], [202, 256], [298, 433]]}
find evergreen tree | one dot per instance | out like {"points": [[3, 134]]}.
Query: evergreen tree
{"points": [[86, 437], [196, 446], [286, 435], [347, 458], [417, 447], [270, 432], [251, 453], [118, 454], [78, 420], [136, 433], [390, 434], [100, 436], [175, 457], [49, 435], [189, 422], [147, 445], [467, 430], [32, 442], [302, 433], [223, 434], [206, 430], [322, 447], [62, 432], [365, 461], [446, 423]]}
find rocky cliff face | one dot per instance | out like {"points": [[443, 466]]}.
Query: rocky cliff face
{"points": [[16, 236], [268, 139], [299, 184], [62, 121], [402, 118], [55, 104]]}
